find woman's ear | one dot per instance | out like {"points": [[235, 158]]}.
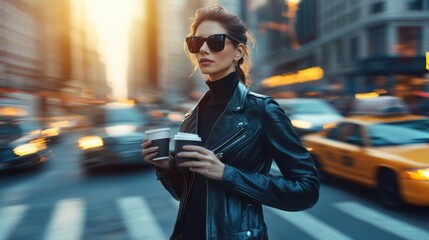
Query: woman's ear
{"points": [[239, 51]]}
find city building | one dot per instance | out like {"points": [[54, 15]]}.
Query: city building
{"points": [[355, 46], [48, 59], [158, 67], [19, 45]]}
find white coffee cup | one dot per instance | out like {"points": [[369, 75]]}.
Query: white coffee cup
{"points": [[181, 139], [160, 137]]}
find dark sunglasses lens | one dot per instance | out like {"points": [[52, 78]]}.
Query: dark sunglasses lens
{"points": [[216, 43], [194, 44]]}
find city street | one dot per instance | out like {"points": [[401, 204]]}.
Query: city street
{"points": [[59, 201]]}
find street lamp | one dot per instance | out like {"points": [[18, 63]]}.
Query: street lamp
{"points": [[290, 14]]}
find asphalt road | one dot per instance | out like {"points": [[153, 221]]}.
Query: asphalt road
{"points": [[58, 201]]}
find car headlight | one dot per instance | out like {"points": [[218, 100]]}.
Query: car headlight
{"points": [[51, 132], [90, 142], [421, 174], [301, 124], [26, 149]]}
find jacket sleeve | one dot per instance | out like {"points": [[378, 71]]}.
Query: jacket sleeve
{"points": [[298, 187], [172, 180]]}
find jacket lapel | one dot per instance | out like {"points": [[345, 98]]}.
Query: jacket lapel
{"points": [[230, 122]]}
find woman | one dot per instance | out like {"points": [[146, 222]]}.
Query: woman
{"points": [[242, 132]]}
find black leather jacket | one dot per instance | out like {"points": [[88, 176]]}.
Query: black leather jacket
{"points": [[251, 133]]}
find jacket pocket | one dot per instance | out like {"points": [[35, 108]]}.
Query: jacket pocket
{"points": [[234, 143]]}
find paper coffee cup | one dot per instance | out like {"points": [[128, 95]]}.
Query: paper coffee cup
{"points": [[181, 139], [161, 138]]}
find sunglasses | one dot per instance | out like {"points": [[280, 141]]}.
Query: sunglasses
{"points": [[215, 42]]}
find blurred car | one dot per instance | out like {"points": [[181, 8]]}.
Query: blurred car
{"points": [[115, 136], [390, 108], [384, 152], [21, 143], [379, 106], [309, 115]]}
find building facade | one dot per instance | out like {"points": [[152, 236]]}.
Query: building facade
{"points": [[158, 68], [361, 46], [20, 54], [48, 57]]}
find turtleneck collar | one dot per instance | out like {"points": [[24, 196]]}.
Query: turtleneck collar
{"points": [[221, 90]]}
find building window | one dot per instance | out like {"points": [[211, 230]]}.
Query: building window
{"points": [[376, 7], [325, 56], [415, 4], [377, 41], [355, 15], [339, 51], [354, 49], [409, 41]]}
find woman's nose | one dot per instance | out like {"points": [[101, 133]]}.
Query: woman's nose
{"points": [[204, 48]]}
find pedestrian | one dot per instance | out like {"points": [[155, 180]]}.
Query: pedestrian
{"points": [[221, 194]]}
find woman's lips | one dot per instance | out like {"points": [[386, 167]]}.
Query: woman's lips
{"points": [[205, 62]]}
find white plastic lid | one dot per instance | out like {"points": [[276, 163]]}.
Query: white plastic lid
{"points": [[187, 136]]}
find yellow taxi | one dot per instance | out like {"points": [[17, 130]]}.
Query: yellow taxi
{"points": [[388, 152]]}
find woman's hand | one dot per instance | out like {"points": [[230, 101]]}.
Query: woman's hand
{"points": [[208, 165], [149, 153]]}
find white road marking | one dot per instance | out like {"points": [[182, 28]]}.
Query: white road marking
{"points": [[383, 221], [9, 218], [175, 202], [67, 221], [140, 221], [310, 225]]}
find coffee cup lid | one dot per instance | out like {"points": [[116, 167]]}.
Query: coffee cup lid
{"points": [[157, 130], [187, 136]]}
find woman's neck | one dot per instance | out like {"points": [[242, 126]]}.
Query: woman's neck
{"points": [[221, 75], [222, 89]]}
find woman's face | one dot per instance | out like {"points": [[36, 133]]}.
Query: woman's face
{"points": [[215, 65]]}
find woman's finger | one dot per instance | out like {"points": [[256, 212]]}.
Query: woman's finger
{"points": [[149, 157], [146, 143], [196, 148], [194, 164]]}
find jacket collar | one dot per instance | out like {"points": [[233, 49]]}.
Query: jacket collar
{"points": [[238, 98], [235, 104]]}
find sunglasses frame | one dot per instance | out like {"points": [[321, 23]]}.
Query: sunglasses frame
{"points": [[195, 43]]}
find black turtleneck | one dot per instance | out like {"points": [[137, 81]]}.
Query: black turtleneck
{"points": [[219, 95], [220, 92]]}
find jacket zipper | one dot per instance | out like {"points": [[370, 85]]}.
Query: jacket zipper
{"points": [[233, 143], [186, 196], [229, 139]]}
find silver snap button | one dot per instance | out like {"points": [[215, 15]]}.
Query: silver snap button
{"points": [[240, 124], [238, 108], [249, 233]]}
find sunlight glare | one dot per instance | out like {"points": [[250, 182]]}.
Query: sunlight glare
{"points": [[111, 20]]}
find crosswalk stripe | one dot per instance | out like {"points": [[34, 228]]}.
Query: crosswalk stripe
{"points": [[305, 222], [9, 218], [175, 202], [67, 220], [139, 219], [310, 225], [380, 220]]}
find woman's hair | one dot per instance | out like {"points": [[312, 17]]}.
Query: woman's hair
{"points": [[235, 27]]}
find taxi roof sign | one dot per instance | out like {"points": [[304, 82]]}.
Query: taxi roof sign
{"points": [[382, 106]]}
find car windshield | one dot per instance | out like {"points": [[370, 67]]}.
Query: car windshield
{"points": [[9, 129], [310, 107], [386, 134], [422, 124], [112, 116]]}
